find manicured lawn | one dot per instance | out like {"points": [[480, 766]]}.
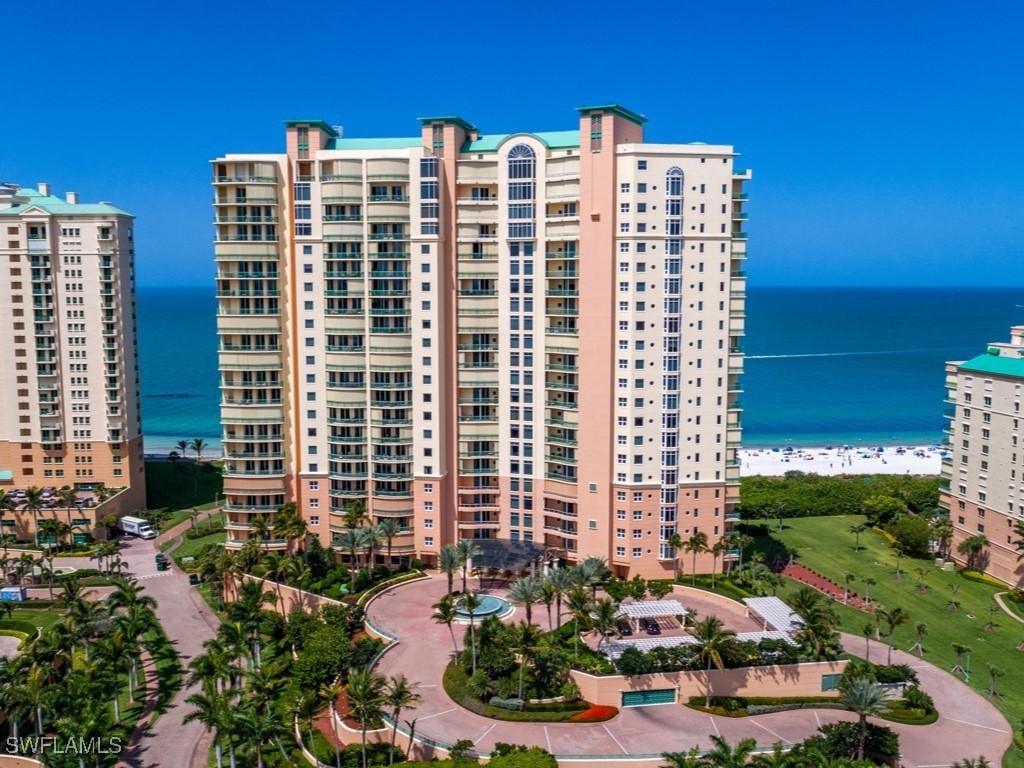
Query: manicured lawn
{"points": [[41, 617], [181, 487], [192, 547], [826, 545]]}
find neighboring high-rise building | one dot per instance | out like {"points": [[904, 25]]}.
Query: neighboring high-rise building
{"points": [[69, 385], [527, 337], [983, 477]]}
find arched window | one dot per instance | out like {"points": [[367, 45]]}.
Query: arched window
{"points": [[521, 162], [675, 182]]}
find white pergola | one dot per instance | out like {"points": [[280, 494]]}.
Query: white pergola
{"points": [[614, 649], [774, 613], [651, 609]]}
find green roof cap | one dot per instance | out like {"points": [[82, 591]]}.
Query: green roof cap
{"points": [[616, 109], [995, 364], [550, 139], [57, 206], [312, 124], [380, 143], [453, 119]]}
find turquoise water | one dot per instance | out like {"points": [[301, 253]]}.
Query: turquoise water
{"points": [[489, 606], [824, 366]]}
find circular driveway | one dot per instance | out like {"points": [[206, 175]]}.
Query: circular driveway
{"points": [[968, 725]]}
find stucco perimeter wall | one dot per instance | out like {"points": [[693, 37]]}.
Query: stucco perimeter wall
{"points": [[781, 680], [289, 597]]}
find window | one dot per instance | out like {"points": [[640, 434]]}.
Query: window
{"points": [[521, 162], [641, 165]]}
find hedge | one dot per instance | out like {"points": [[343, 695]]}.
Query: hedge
{"points": [[455, 685], [907, 716], [982, 578], [740, 706], [18, 625]]}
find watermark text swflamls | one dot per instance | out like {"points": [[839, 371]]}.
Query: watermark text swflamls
{"points": [[60, 745]]}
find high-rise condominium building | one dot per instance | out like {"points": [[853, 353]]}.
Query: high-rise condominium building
{"points": [[69, 385], [526, 337], [983, 477]]}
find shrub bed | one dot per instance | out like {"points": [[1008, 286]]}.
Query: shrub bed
{"points": [[982, 578], [456, 685], [742, 706], [897, 713], [18, 625]]}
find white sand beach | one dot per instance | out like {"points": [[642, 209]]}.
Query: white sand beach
{"points": [[845, 460]]}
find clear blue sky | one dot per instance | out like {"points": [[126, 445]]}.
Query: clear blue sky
{"points": [[885, 137]]}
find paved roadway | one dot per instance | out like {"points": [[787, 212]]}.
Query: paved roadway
{"points": [[188, 622]]}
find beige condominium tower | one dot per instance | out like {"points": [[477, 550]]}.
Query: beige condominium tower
{"points": [[983, 477], [530, 339], [69, 387]]}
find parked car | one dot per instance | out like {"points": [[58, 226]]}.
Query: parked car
{"points": [[651, 627], [624, 629]]}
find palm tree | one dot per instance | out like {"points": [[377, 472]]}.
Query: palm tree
{"points": [[712, 641], [592, 572], [330, 692], [920, 632], [399, 695], [604, 617], [279, 569], [892, 618], [722, 755], [259, 728], [183, 446], [960, 650], [578, 602], [34, 503], [208, 708], [971, 548], [863, 697], [526, 592], [198, 445], [994, 673], [857, 530], [348, 540], [304, 710], [676, 542], [366, 697], [355, 514], [371, 538], [697, 544], [846, 586], [942, 532], [560, 581], [466, 550], [388, 529], [547, 596], [525, 637], [444, 613], [972, 762], [868, 584], [718, 549], [448, 562], [470, 602], [691, 759]]}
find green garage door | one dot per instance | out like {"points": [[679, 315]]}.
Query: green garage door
{"points": [[646, 698]]}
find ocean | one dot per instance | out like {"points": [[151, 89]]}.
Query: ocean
{"points": [[825, 366]]}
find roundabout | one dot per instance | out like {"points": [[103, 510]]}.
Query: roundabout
{"points": [[640, 734]]}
